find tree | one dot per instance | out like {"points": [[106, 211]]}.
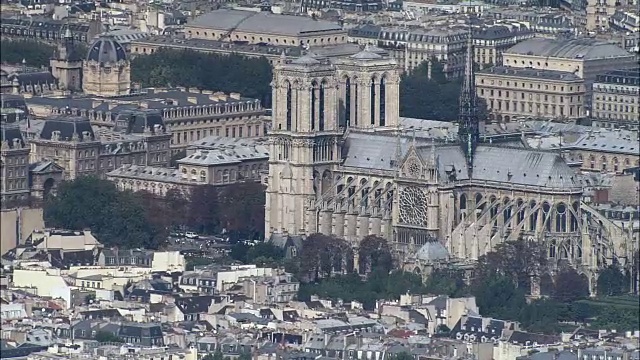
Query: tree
{"points": [[261, 252], [612, 281], [320, 255], [570, 285], [518, 260], [446, 282], [116, 218], [250, 77], [203, 209], [374, 253], [105, 337], [580, 311], [243, 204], [35, 53], [498, 297]]}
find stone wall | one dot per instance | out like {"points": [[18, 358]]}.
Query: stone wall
{"points": [[25, 219]]}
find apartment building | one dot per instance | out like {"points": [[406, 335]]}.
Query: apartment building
{"points": [[586, 58], [616, 99], [512, 92], [411, 47], [188, 114], [214, 160]]}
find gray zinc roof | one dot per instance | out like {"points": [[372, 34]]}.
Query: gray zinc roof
{"points": [[531, 73], [587, 49], [525, 166], [262, 22]]}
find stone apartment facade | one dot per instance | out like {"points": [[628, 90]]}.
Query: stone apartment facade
{"points": [[189, 114], [586, 58], [37, 155], [616, 99], [512, 92], [214, 160]]}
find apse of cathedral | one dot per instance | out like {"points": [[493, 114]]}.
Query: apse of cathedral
{"points": [[344, 163]]}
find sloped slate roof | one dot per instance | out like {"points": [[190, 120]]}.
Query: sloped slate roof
{"points": [[261, 22], [588, 49]]}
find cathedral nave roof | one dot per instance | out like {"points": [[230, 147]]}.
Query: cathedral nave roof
{"points": [[509, 165]]}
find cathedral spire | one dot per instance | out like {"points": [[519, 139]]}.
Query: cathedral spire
{"points": [[468, 129]]}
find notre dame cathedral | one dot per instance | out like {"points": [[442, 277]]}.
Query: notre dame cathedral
{"points": [[344, 163]]}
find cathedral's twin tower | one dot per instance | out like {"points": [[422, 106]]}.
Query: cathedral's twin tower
{"points": [[314, 102]]}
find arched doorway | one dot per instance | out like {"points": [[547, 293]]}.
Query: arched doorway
{"points": [[48, 186]]}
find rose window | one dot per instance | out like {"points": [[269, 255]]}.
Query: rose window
{"points": [[413, 207], [413, 169]]}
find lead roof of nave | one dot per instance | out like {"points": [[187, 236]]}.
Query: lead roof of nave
{"points": [[504, 164]]}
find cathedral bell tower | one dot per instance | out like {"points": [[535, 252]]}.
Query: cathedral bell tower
{"points": [[303, 142], [369, 90], [66, 64]]}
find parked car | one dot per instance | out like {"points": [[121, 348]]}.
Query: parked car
{"points": [[191, 235]]}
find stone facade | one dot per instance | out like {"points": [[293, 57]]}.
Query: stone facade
{"points": [[214, 160], [189, 114], [515, 92], [106, 71], [264, 28], [354, 171], [615, 99]]}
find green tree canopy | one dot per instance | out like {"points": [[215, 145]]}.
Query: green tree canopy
{"points": [[116, 218], [251, 77], [446, 281], [237, 209], [570, 285], [612, 281], [35, 53], [428, 94]]}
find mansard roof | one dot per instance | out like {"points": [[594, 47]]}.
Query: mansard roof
{"points": [[67, 126]]}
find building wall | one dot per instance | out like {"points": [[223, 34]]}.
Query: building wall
{"points": [[324, 38], [616, 105], [586, 69], [601, 161], [14, 175], [47, 282], [510, 96], [109, 80], [18, 222], [625, 189]]}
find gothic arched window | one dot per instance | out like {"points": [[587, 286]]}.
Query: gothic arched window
{"points": [[373, 101], [323, 86], [533, 216], [383, 104], [561, 218], [347, 102], [289, 107], [314, 89], [545, 216]]}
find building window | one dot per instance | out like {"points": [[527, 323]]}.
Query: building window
{"points": [[289, 107]]}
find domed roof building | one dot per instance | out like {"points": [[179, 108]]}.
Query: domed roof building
{"points": [[106, 69], [106, 50]]}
